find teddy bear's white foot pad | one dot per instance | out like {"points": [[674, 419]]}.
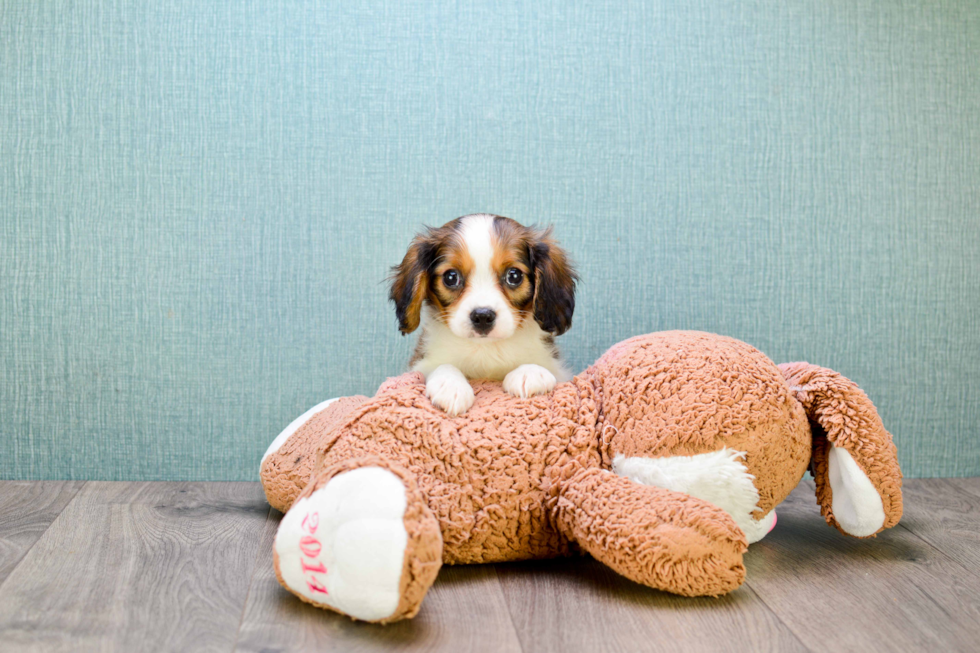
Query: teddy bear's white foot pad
{"points": [[344, 545], [718, 477], [857, 505]]}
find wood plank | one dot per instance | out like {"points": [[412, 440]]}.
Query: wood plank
{"points": [[167, 566], [27, 508], [970, 485], [944, 513], [894, 592], [464, 611], [578, 604], [137, 566]]}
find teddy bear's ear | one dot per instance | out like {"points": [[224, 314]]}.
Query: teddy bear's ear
{"points": [[854, 461]]}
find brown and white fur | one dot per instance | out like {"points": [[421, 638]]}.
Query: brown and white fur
{"points": [[490, 295]]}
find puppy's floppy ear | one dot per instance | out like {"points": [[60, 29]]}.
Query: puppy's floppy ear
{"points": [[554, 283], [410, 281]]}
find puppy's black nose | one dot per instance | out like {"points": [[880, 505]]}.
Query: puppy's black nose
{"points": [[483, 319]]}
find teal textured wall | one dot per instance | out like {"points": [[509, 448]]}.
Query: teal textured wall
{"points": [[200, 201]]}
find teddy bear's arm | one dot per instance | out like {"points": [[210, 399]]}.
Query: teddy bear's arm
{"points": [[287, 465], [854, 461], [657, 537], [360, 539]]}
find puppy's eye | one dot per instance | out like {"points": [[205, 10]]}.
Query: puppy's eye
{"points": [[514, 277], [451, 279]]}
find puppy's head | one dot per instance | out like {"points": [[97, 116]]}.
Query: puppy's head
{"points": [[483, 276]]}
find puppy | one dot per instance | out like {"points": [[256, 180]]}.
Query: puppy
{"points": [[490, 296]]}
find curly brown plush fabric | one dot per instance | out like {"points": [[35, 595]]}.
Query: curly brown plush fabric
{"points": [[843, 416], [676, 543], [286, 471], [679, 393], [518, 479]]}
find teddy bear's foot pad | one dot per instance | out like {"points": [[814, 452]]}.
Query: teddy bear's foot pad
{"points": [[343, 546]]}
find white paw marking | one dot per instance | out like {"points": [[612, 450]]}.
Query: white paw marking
{"points": [[856, 503], [344, 545], [529, 380], [294, 426], [718, 477], [449, 390]]}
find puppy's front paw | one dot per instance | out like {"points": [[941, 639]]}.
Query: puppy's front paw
{"points": [[529, 380], [449, 390]]}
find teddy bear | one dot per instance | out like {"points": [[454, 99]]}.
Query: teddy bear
{"points": [[663, 460]]}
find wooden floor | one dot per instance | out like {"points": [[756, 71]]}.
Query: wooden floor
{"points": [[187, 566]]}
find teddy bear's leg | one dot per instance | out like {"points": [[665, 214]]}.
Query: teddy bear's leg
{"points": [[854, 462], [719, 477], [658, 537], [360, 540], [288, 463]]}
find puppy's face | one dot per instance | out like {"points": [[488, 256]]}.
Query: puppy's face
{"points": [[483, 276]]}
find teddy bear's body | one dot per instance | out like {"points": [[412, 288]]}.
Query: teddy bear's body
{"points": [[663, 460]]}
